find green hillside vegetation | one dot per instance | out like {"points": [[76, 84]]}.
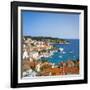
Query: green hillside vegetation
{"points": [[48, 39]]}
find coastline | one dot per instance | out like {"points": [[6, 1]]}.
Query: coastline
{"points": [[35, 59]]}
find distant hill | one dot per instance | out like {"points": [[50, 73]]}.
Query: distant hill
{"points": [[48, 39]]}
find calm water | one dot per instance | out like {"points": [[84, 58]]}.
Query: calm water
{"points": [[70, 52]]}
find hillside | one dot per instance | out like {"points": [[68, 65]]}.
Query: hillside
{"points": [[48, 39]]}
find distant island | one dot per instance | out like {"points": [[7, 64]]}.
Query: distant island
{"points": [[51, 40]]}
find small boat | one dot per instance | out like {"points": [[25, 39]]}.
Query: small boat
{"points": [[61, 49], [70, 52], [64, 52], [60, 56]]}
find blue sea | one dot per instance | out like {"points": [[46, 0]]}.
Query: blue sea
{"points": [[70, 52]]}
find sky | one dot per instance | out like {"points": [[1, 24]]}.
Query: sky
{"points": [[60, 25]]}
